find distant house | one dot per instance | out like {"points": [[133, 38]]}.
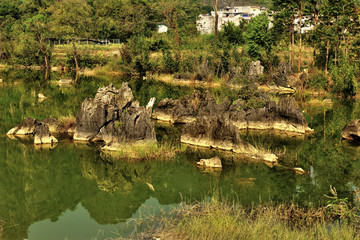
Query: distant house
{"points": [[206, 22]]}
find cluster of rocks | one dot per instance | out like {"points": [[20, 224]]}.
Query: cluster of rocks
{"points": [[284, 115], [115, 118], [32, 127]]}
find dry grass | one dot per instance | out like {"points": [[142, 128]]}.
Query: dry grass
{"points": [[216, 219], [144, 151]]}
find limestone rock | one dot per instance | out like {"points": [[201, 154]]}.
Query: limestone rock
{"points": [[114, 117], [284, 116], [186, 109], [215, 132], [255, 70], [41, 97], [352, 130], [42, 135], [299, 170], [27, 127], [203, 71], [214, 162], [281, 76], [39, 130], [218, 132]]}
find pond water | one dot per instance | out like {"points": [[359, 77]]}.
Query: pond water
{"points": [[74, 192]]}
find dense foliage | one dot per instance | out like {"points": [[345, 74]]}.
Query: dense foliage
{"points": [[29, 29]]}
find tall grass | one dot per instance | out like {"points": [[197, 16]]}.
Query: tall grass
{"points": [[224, 219], [145, 151]]}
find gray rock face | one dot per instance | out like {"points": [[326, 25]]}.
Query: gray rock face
{"points": [[186, 109], [114, 117], [218, 132], [215, 131], [281, 76], [42, 135], [27, 127], [352, 130], [255, 70], [284, 116], [39, 130]]}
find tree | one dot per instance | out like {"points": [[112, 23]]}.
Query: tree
{"points": [[70, 21], [257, 36], [284, 21], [37, 29]]}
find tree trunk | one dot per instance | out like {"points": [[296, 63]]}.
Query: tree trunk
{"points": [[75, 56], [327, 57], [47, 65], [292, 40], [292, 46], [299, 64], [175, 29], [315, 23], [216, 19]]}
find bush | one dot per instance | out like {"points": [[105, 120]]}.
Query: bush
{"points": [[85, 60], [317, 80], [343, 77]]}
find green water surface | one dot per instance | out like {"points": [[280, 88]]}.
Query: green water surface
{"points": [[74, 192]]}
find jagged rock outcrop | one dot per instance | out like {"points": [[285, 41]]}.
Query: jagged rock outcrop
{"points": [[187, 109], [352, 130], [115, 118], [218, 132], [255, 70], [36, 128], [280, 78], [284, 116], [27, 127]]}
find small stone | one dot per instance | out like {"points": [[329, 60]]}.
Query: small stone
{"points": [[41, 97], [299, 170], [327, 101], [269, 157], [214, 162]]}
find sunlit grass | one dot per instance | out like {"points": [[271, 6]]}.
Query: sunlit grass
{"points": [[217, 219], [145, 151]]}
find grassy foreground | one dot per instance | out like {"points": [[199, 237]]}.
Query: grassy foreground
{"points": [[225, 220]]}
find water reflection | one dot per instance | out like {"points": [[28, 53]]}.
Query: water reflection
{"points": [[40, 185]]}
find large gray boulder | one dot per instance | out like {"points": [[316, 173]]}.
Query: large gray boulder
{"points": [[352, 130], [42, 135], [218, 132], [115, 118]]}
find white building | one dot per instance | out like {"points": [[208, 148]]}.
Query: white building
{"points": [[206, 22]]}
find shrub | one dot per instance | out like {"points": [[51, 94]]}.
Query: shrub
{"points": [[343, 77], [317, 80]]}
